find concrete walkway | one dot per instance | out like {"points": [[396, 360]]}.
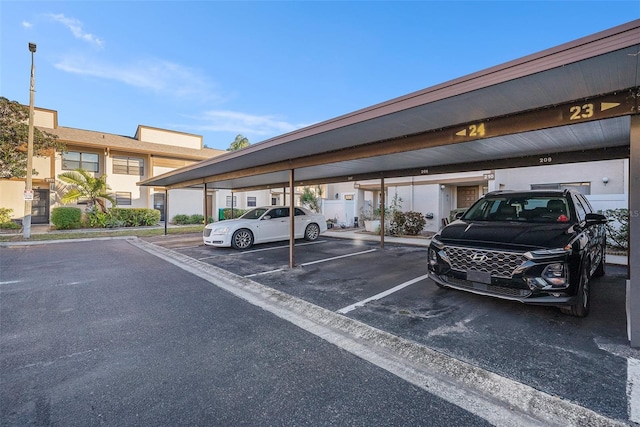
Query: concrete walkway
{"points": [[342, 233], [360, 234]]}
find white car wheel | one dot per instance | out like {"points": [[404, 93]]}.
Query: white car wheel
{"points": [[242, 239], [311, 232]]}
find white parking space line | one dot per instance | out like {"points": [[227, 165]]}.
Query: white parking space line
{"points": [[312, 262], [381, 294], [264, 249], [264, 272], [338, 257]]}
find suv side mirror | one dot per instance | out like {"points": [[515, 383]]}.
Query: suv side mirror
{"points": [[594, 218]]}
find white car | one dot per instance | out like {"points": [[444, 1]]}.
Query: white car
{"points": [[264, 224]]}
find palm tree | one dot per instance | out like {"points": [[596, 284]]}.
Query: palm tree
{"points": [[239, 143], [86, 186]]}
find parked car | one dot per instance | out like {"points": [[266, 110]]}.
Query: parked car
{"points": [[536, 247], [264, 224]]}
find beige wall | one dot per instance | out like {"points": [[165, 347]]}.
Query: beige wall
{"points": [[11, 197], [42, 165], [44, 118], [166, 137]]}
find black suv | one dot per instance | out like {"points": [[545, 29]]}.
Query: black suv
{"points": [[536, 247]]}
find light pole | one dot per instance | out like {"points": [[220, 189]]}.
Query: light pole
{"points": [[28, 194]]}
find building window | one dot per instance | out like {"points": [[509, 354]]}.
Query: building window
{"points": [[251, 202], [274, 201], [72, 160], [580, 187], [128, 165], [235, 202], [123, 198]]}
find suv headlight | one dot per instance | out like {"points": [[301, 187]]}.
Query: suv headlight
{"points": [[548, 253], [437, 243]]}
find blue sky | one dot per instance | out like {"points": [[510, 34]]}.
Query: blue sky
{"points": [[262, 69]]}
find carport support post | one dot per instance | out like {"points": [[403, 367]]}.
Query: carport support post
{"points": [[292, 213], [166, 210], [633, 282], [204, 203], [383, 203]]}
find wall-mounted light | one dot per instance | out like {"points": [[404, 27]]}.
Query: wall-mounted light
{"points": [[605, 180], [442, 187]]}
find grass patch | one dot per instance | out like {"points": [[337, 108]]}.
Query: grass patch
{"points": [[89, 233]]}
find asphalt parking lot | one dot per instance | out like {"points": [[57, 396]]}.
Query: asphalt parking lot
{"points": [[585, 361]]}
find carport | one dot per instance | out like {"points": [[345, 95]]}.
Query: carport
{"points": [[575, 102]]}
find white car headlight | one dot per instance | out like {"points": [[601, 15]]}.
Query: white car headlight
{"points": [[219, 230]]}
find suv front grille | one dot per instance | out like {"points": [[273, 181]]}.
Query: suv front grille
{"points": [[490, 289], [497, 263]]}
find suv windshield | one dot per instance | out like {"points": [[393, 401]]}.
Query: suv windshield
{"points": [[510, 208]]}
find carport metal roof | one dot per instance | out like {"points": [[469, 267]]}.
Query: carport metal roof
{"points": [[572, 98], [574, 102]]}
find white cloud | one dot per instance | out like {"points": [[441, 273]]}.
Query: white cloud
{"points": [[27, 24], [152, 74], [75, 26], [246, 124]]}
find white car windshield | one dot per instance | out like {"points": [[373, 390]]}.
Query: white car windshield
{"points": [[254, 213]]}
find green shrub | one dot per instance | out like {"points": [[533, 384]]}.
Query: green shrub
{"points": [[236, 213], [66, 218], [98, 219], [414, 223], [196, 219], [134, 217], [408, 223], [5, 220], [10, 225], [396, 225], [5, 215], [181, 219]]}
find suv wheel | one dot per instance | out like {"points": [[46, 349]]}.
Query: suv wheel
{"points": [[583, 302], [600, 269]]}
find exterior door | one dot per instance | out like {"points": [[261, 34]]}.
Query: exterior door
{"points": [[40, 207], [466, 196], [158, 203]]}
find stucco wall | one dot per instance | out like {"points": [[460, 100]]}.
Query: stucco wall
{"points": [[592, 172], [161, 136], [12, 197]]}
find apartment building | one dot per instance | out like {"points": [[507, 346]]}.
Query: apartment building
{"points": [[124, 160]]}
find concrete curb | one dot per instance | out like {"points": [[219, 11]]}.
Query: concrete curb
{"points": [[45, 242], [499, 400]]}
